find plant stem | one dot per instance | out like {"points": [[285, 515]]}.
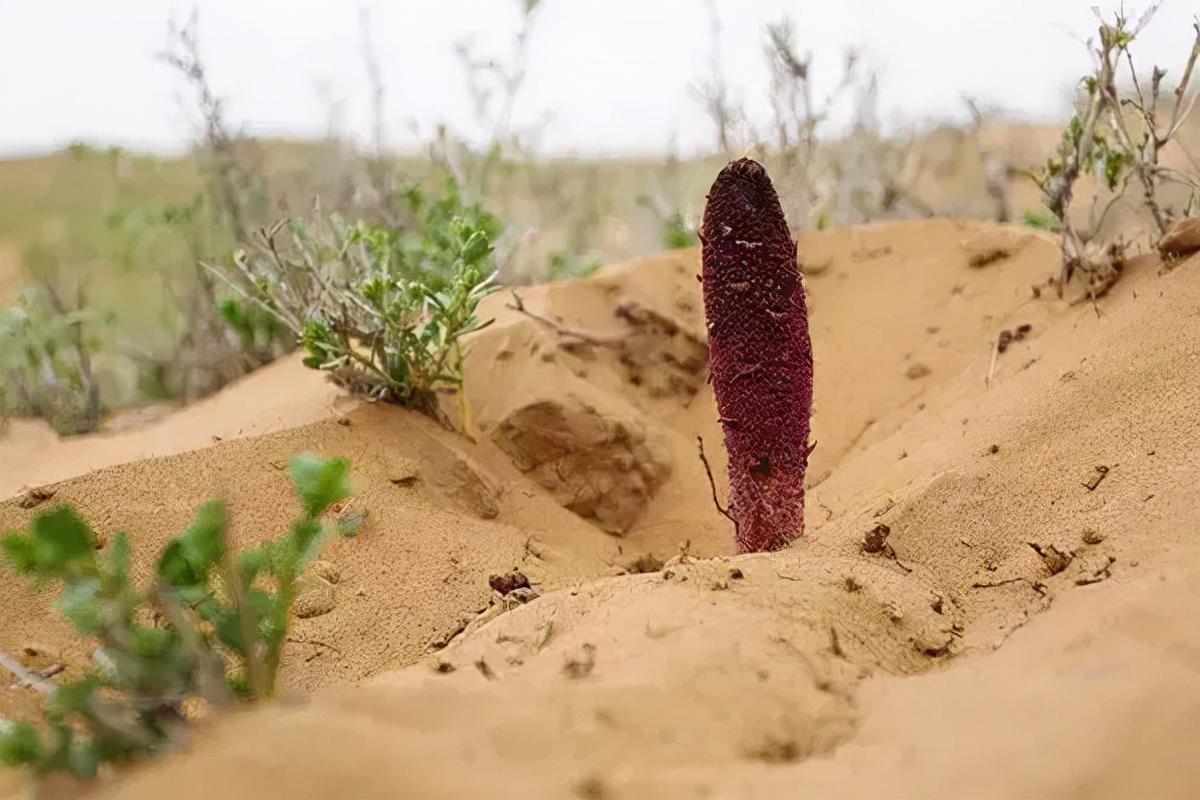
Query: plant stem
{"points": [[249, 624], [26, 677]]}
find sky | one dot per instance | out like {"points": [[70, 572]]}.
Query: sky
{"points": [[604, 77]]}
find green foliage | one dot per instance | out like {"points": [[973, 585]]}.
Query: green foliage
{"points": [[1042, 222], [1115, 136], [449, 233], [257, 329], [676, 235], [1090, 151], [131, 229], [1097, 139], [210, 625], [80, 150], [45, 359], [381, 308], [563, 265]]}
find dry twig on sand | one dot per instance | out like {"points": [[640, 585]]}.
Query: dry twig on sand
{"points": [[26, 677]]}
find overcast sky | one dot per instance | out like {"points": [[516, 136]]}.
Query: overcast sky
{"points": [[613, 76]]}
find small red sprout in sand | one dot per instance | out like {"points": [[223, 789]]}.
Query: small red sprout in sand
{"points": [[760, 357]]}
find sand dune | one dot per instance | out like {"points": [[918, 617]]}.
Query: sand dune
{"points": [[280, 396], [1028, 632]]}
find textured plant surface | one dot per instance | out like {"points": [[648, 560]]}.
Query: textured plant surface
{"points": [[760, 357]]}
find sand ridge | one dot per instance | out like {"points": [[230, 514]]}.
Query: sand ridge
{"points": [[821, 668], [280, 396]]}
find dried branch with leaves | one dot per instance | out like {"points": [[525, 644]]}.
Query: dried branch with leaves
{"points": [[1116, 135]]}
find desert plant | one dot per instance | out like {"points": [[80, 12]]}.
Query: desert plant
{"points": [[379, 169], [563, 265], [505, 163], [676, 233], [46, 352], [494, 83], [211, 624], [383, 310], [1116, 136], [760, 357], [798, 117], [858, 178], [233, 200], [713, 90], [236, 189], [203, 347]]}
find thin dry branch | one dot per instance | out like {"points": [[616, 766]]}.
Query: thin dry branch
{"points": [[1181, 111], [183, 54], [26, 677], [712, 485], [713, 90], [1100, 140], [597, 339]]}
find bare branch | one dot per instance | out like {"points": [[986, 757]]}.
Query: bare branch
{"points": [[377, 167], [26, 677], [1100, 140], [713, 90], [1180, 112], [712, 484]]}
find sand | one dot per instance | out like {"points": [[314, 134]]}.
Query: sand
{"points": [[1028, 629], [282, 395]]}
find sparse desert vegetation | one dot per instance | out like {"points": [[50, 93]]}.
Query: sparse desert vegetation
{"points": [[210, 629], [500, 546]]}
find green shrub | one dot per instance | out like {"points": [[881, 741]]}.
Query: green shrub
{"points": [[382, 309], [211, 624], [46, 350]]}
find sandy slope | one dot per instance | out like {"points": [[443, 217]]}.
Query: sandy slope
{"points": [[820, 670], [280, 396]]}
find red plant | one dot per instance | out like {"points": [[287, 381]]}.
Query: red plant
{"points": [[760, 357]]}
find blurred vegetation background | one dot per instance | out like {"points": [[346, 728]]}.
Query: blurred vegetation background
{"points": [[106, 302]]}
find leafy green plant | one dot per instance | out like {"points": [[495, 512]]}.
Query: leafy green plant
{"points": [[382, 309], [211, 624], [431, 251]]}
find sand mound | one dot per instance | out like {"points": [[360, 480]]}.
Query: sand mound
{"points": [[280, 396], [1044, 496]]}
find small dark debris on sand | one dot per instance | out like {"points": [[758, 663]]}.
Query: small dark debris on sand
{"points": [[1015, 335]]}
